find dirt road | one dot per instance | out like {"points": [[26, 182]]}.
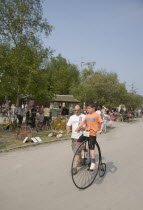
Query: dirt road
{"points": [[38, 178]]}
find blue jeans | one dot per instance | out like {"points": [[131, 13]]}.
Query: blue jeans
{"points": [[105, 123]]}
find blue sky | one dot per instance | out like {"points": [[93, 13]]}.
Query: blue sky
{"points": [[109, 32]]}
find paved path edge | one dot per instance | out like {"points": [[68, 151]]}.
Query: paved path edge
{"points": [[33, 144]]}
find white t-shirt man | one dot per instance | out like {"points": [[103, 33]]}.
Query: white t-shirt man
{"points": [[46, 112], [75, 121]]}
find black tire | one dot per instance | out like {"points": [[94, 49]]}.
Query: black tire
{"points": [[84, 177], [102, 169]]}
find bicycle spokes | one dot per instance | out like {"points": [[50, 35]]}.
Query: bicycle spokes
{"points": [[83, 177]]}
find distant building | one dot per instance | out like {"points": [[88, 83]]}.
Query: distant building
{"points": [[63, 100]]}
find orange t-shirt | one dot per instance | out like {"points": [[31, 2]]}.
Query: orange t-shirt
{"points": [[93, 121]]}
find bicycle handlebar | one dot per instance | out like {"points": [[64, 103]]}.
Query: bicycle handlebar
{"points": [[92, 130]]}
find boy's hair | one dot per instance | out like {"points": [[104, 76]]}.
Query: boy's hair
{"points": [[92, 104]]}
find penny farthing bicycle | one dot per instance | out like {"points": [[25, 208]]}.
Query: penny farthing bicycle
{"points": [[84, 176]]}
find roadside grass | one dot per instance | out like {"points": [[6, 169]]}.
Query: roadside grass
{"points": [[11, 144], [8, 139]]}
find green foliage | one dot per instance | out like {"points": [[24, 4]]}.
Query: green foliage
{"points": [[61, 75], [21, 74], [134, 101], [21, 21], [104, 88], [22, 54]]}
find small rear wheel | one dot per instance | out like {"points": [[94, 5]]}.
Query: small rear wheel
{"points": [[102, 169]]}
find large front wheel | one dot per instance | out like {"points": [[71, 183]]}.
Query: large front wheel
{"points": [[81, 175]]}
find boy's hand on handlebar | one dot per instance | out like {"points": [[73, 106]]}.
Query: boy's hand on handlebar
{"points": [[99, 132]]}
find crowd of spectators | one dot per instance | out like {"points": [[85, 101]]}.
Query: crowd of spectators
{"points": [[43, 114], [116, 114], [32, 114]]}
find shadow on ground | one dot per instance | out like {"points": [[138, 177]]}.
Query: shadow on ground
{"points": [[110, 168]]}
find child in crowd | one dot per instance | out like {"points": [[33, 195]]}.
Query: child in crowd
{"points": [[106, 117], [112, 118]]}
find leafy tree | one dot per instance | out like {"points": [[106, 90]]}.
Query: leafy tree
{"points": [[21, 24], [21, 74], [104, 88], [133, 101], [62, 75], [101, 87]]}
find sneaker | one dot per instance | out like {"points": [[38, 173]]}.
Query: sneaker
{"points": [[92, 166], [74, 171]]}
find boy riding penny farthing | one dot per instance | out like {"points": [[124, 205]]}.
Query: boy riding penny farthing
{"points": [[87, 161]]}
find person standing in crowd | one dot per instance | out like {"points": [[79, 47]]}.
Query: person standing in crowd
{"points": [[28, 116], [122, 111], [13, 108], [3, 109], [39, 121], [41, 108], [33, 116], [106, 117], [73, 122], [114, 109], [111, 119], [98, 111], [19, 113], [104, 109], [139, 112], [46, 112], [71, 110], [59, 111], [65, 111], [85, 110]]}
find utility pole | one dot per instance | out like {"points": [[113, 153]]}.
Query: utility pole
{"points": [[81, 63], [133, 89]]}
